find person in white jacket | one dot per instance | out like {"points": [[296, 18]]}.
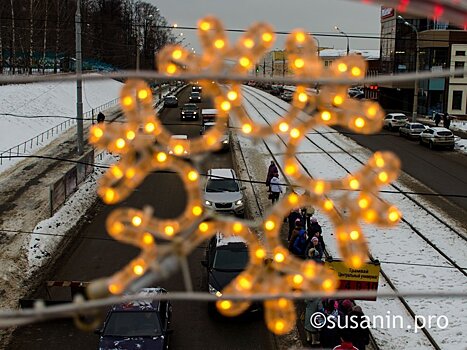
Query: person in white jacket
{"points": [[276, 188]]}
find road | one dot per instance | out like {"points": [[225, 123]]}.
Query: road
{"points": [[442, 171], [88, 259]]}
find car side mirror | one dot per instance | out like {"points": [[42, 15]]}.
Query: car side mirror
{"points": [[204, 263]]}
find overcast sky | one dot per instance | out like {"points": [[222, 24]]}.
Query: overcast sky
{"points": [[317, 16]]}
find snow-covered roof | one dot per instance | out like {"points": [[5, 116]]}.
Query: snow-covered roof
{"points": [[224, 240], [222, 173], [209, 111], [334, 53]]}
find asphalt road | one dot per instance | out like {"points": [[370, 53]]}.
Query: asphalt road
{"points": [[88, 259], [441, 171]]}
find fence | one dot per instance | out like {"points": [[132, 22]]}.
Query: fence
{"points": [[34, 141]]}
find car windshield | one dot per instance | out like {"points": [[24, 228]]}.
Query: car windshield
{"points": [[418, 127], [195, 94], [170, 98], [222, 185], [190, 107], [232, 257], [400, 117], [133, 324], [444, 133]]}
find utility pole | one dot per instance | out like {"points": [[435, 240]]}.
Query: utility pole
{"points": [[272, 64], [137, 48], [79, 91], [264, 67]]}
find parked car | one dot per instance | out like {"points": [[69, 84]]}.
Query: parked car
{"points": [[170, 101], [276, 90], [196, 88], [138, 324], [394, 120], [411, 130], [189, 111], [437, 137], [287, 96], [225, 138], [195, 97], [223, 192]]}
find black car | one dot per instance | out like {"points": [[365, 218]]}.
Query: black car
{"points": [[170, 101], [137, 324], [226, 258], [195, 97], [189, 111]]}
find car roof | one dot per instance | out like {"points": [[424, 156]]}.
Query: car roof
{"points": [[209, 124], [142, 305], [195, 93], [228, 173], [397, 114], [190, 105], [179, 137], [209, 111], [223, 240], [439, 129]]}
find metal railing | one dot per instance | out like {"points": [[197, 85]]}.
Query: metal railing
{"points": [[55, 130]]}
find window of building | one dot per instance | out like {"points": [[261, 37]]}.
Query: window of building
{"points": [[460, 53], [457, 100], [459, 65]]}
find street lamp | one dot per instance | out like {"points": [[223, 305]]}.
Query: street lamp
{"points": [[417, 63], [343, 33]]}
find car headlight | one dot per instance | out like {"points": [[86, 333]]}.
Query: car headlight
{"points": [[213, 290], [183, 112], [208, 203], [239, 202], [225, 142]]}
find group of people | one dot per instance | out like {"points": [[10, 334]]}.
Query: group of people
{"points": [[342, 328], [446, 119]]}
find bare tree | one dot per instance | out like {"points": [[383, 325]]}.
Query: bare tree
{"points": [[13, 35], [45, 35], [31, 35]]}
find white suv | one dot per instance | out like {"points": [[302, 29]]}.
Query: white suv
{"points": [[437, 136], [223, 192], [394, 120]]}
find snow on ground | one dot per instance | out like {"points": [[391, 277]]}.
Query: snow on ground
{"points": [[459, 125], [391, 246], [55, 98]]}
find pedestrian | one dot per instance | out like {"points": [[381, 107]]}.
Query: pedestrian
{"points": [[437, 118], [360, 336], [329, 337], [297, 227], [448, 121], [100, 117], [312, 307], [271, 171], [445, 120], [346, 340], [314, 250], [346, 306], [276, 188], [315, 230], [299, 244], [293, 216]]}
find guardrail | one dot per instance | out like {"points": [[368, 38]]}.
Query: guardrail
{"points": [[55, 130]]}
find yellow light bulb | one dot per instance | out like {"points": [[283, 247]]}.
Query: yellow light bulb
{"points": [[370, 215], [383, 176], [148, 239], [297, 279], [109, 195], [302, 97], [319, 187], [380, 162], [283, 127], [356, 71], [130, 173], [244, 61], [299, 63], [260, 253], [116, 228], [161, 157], [192, 175], [138, 270], [97, 132], [290, 169], [130, 135], [359, 122], [225, 304], [169, 230], [197, 210], [245, 283], [248, 43], [205, 26], [292, 198], [115, 288], [269, 225], [171, 68], [338, 100], [294, 133], [136, 220], [300, 37], [127, 101], [219, 43], [371, 111], [149, 127], [354, 235], [143, 94], [354, 184], [225, 106], [327, 284], [120, 143], [342, 67], [326, 116], [178, 149], [393, 214], [177, 54], [246, 128], [309, 270], [237, 227], [282, 303], [279, 325], [279, 257], [203, 227], [363, 203], [328, 204], [232, 95], [356, 261], [116, 172], [267, 37]]}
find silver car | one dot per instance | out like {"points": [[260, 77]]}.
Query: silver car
{"points": [[394, 120], [411, 130], [223, 192], [437, 137]]}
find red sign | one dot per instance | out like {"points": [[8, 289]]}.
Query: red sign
{"points": [[387, 12]]}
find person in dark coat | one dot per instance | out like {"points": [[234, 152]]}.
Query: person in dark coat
{"points": [[437, 118], [271, 171], [448, 121], [445, 120], [295, 231], [315, 230], [293, 216], [330, 335], [312, 333], [100, 117], [360, 336]]}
